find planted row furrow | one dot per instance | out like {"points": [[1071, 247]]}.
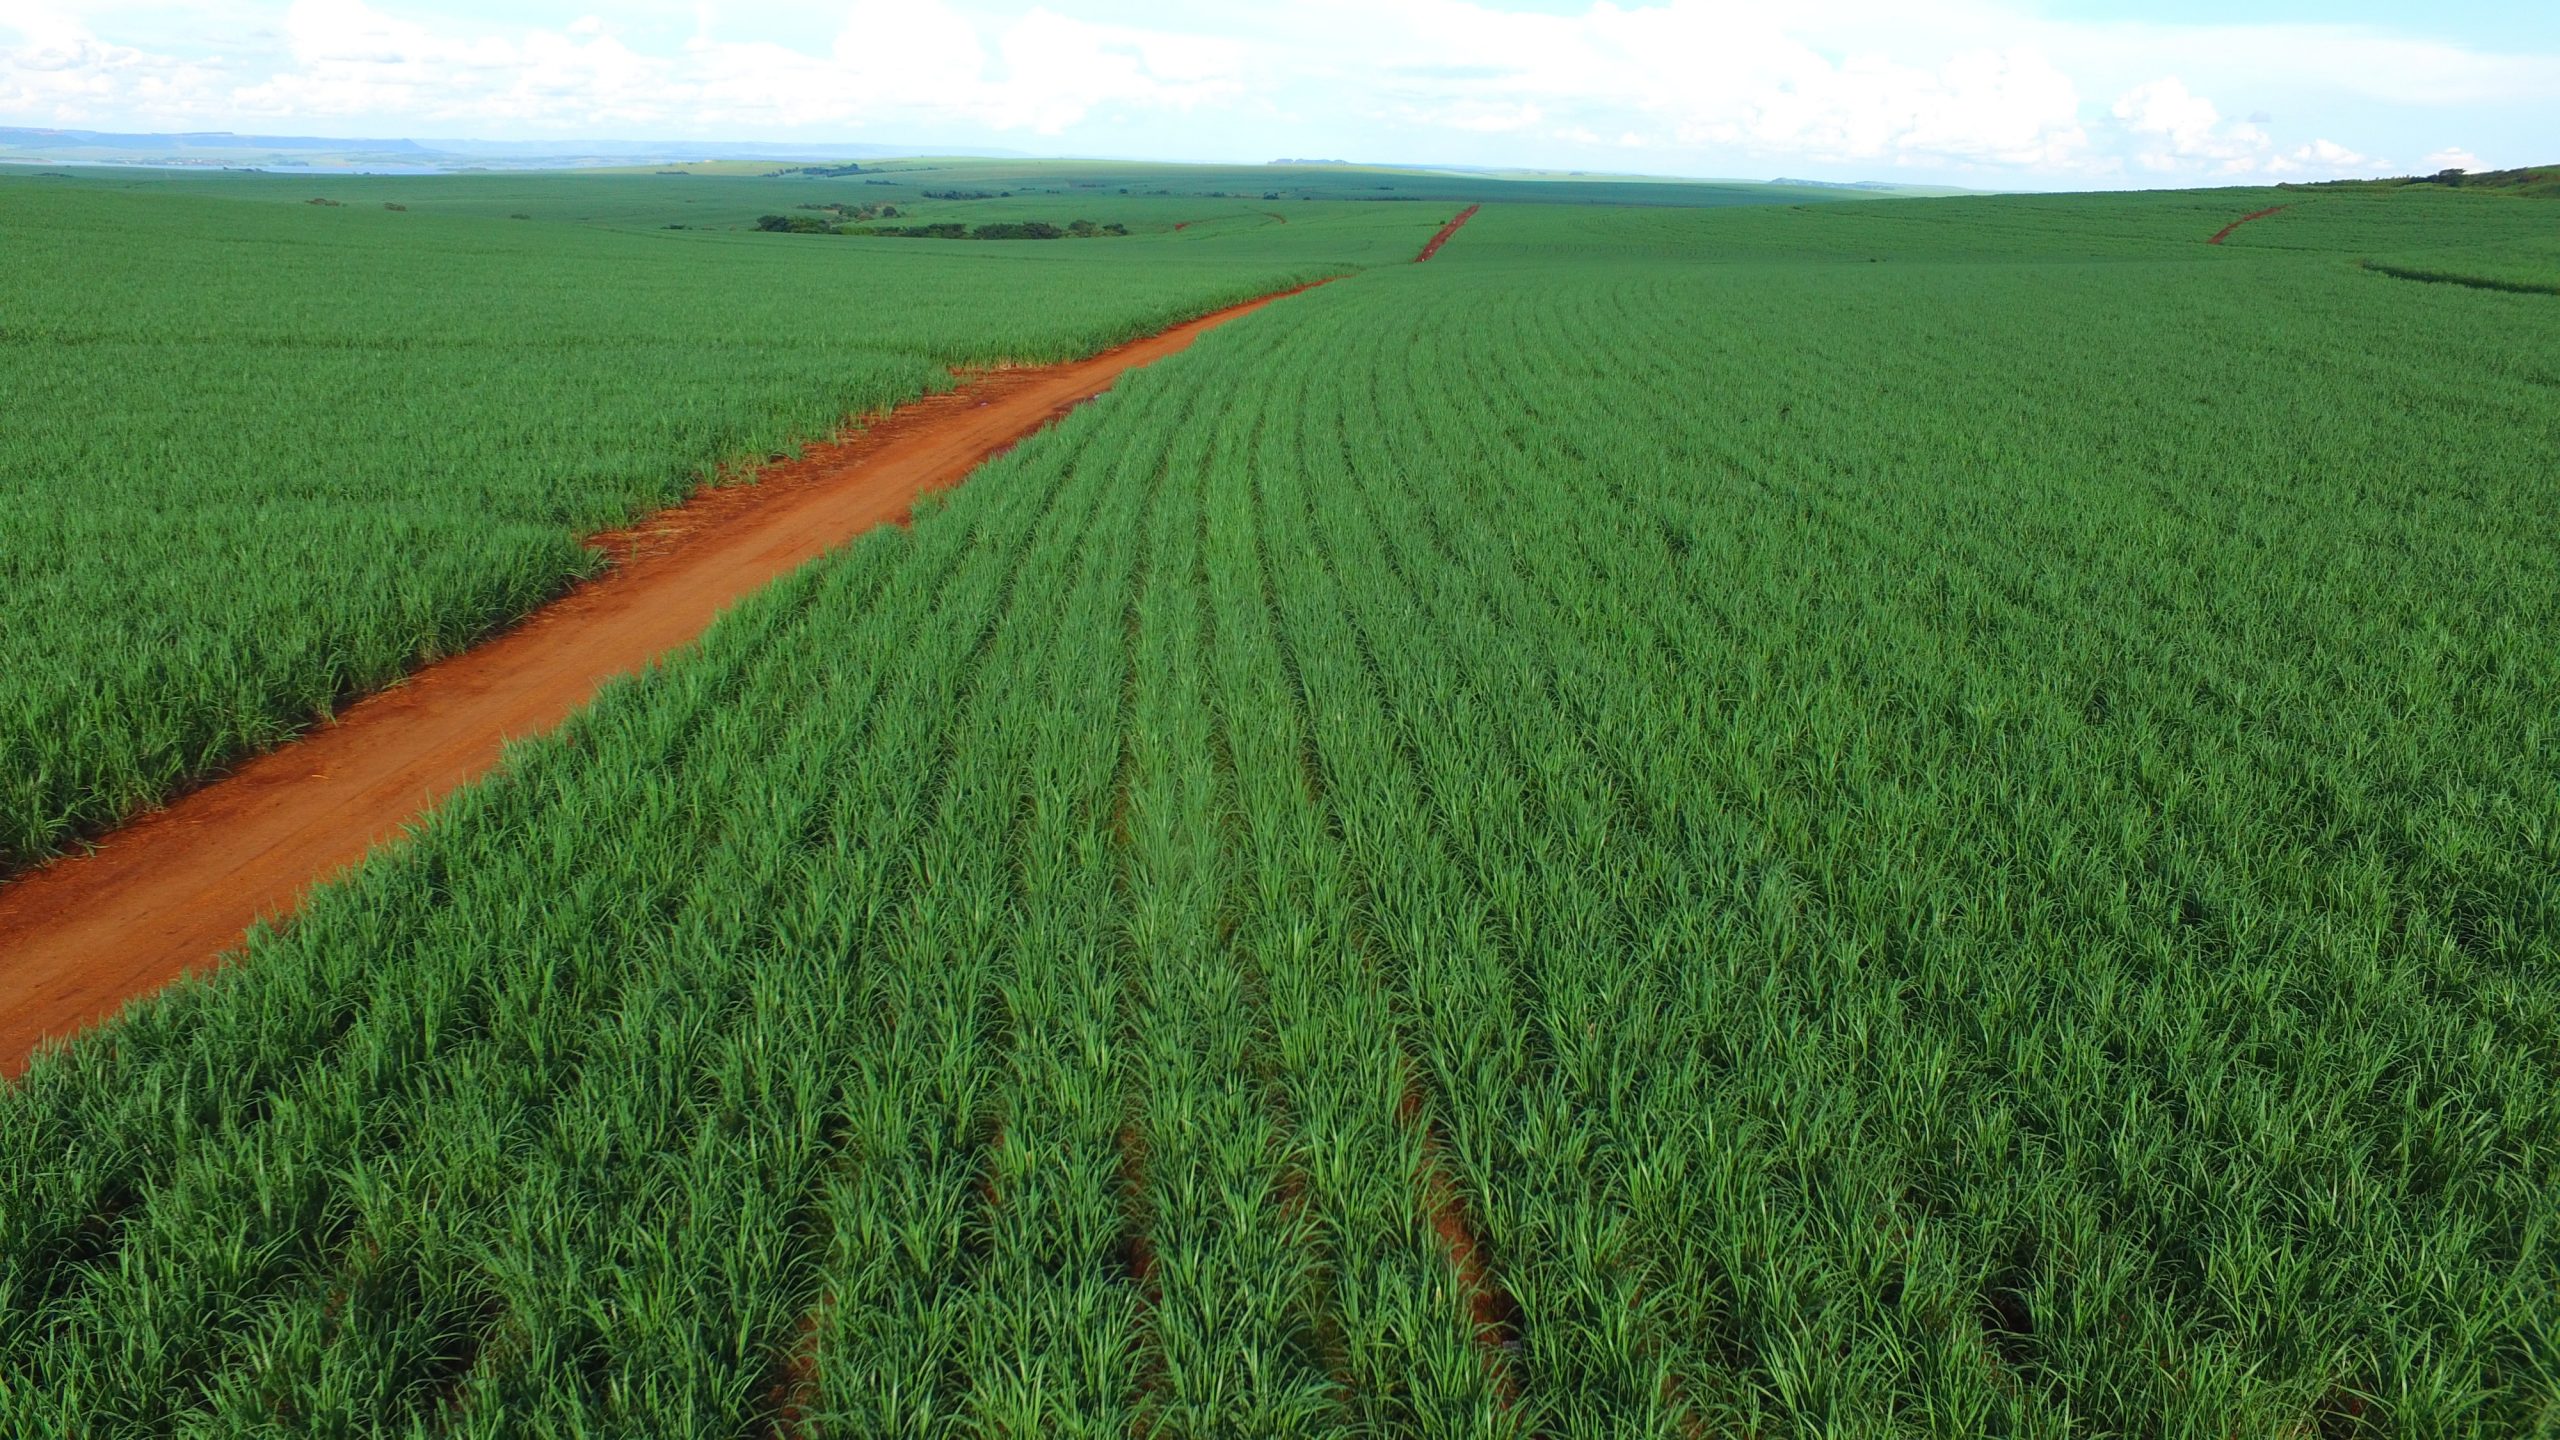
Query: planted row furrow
{"points": [[908, 1211], [1576, 894], [1421, 925], [1357, 1156], [1054, 1304]]}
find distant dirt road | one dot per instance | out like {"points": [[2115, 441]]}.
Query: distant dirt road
{"points": [[1433, 248], [177, 888], [2225, 232]]}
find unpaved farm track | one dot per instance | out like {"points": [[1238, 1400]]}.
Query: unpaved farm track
{"points": [[179, 887], [2225, 232], [1433, 248]]}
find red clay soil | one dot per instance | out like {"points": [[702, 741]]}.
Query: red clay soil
{"points": [[795, 1386], [1490, 1308], [1140, 1250], [176, 889], [1138, 1254], [2225, 232], [1446, 231], [1495, 1314]]}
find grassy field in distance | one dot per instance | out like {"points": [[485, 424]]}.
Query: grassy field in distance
{"points": [[1914, 818], [726, 194]]}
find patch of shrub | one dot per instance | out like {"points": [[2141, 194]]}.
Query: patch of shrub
{"points": [[946, 229]]}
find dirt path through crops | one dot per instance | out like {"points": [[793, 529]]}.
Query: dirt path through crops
{"points": [[179, 887], [1446, 231], [1493, 1314], [2225, 232]]}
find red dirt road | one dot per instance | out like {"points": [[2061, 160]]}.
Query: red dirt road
{"points": [[2225, 232], [177, 888], [1446, 231]]}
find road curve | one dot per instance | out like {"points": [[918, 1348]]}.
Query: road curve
{"points": [[2225, 232], [177, 888]]}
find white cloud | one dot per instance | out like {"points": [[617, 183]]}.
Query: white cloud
{"points": [[2452, 157], [1697, 75], [2184, 124], [2178, 131], [1057, 69], [2324, 158], [916, 63], [1956, 87], [1490, 119]]}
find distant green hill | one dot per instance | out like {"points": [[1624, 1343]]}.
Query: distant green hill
{"points": [[303, 155], [2542, 181]]}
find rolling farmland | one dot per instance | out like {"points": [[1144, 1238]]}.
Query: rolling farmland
{"points": [[1930, 817]]}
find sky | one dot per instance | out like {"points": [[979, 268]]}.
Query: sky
{"points": [[1994, 94]]}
